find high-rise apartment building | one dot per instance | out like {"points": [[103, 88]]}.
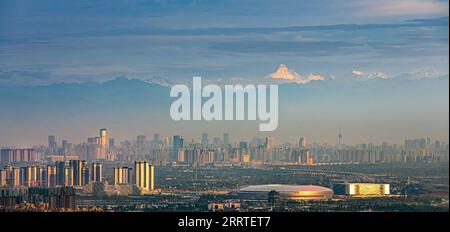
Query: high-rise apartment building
{"points": [[122, 175], [97, 172], [144, 175], [80, 172]]}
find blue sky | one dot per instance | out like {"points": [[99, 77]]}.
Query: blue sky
{"points": [[343, 42], [71, 41]]}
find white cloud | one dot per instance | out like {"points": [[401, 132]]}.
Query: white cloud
{"points": [[420, 74], [284, 74], [363, 75], [380, 75], [358, 73]]}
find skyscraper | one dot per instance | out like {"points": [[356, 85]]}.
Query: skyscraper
{"points": [[3, 178], [111, 144], [309, 158], [122, 175], [178, 143], [103, 137], [140, 141], [80, 172], [302, 143], [51, 176], [52, 143], [270, 143], [226, 139], [144, 176], [205, 140]]}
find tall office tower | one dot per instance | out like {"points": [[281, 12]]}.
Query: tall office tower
{"points": [[52, 143], [270, 143], [65, 147], [140, 141], [144, 175], [226, 138], [96, 172], [102, 142], [302, 143], [80, 172], [111, 144], [51, 176], [103, 137], [122, 175], [205, 140]]}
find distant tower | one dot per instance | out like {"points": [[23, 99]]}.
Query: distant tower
{"points": [[205, 140], [140, 141], [52, 145], [226, 138], [103, 137], [270, 143], [103, 141], [302, 143], [339, 137]]}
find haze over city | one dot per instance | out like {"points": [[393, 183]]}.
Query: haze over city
{"points": [[378, 72]]}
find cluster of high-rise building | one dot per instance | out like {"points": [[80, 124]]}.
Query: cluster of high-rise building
{"points": [[100, 147], [17, 155], [77, 173], [207, 151], [73, 173]]}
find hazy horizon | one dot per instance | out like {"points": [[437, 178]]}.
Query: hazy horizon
{"points": [[376, 71]]}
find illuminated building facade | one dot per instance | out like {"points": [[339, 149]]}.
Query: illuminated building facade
{"points": [[144, 175], [122, 175], [361, 189]]}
